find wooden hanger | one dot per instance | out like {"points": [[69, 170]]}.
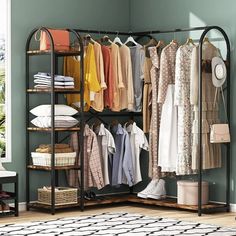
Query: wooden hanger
{"points": [[189, 41], [130, 122], [160, 43], [88, 38], [152, 42], [114, 122], [174, 41]]}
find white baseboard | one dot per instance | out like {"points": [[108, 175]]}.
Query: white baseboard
{"points": [[22, 206], [232, 207]]}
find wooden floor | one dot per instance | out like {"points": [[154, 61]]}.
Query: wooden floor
{"points": [[220, 219]]}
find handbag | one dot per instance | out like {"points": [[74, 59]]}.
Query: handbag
{"points": [[61, 39], [220, 133]]}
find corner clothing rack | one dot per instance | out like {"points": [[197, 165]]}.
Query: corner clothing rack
{"points": [[54, 131]]}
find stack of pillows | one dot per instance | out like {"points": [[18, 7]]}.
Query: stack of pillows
{"points": [[63, 116]]}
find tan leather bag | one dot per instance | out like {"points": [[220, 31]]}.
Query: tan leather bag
{"points": [[219, 133], [61, 40]]}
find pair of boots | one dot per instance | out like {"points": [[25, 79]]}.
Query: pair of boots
{"points": [[155, 190]]}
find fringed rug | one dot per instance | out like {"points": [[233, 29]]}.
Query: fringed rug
{"points": [[112, 224]]}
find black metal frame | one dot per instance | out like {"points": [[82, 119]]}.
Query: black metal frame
{"points": [[13, 195], [54, 98], [205, 30]]}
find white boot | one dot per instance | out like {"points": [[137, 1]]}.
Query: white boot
{"points": [[159, 192], [149, 189]]}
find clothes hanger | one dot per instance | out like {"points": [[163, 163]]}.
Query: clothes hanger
{"points": [[189, 41], [152, 42], [160, 43], [117, 40], [89, 39], [130, 122], [106, 39], [130, 39]]}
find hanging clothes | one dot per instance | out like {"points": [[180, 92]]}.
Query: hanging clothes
{"points": [[106, 146], [154, 170], [117, 77], [138, 141], [108, 73], [168, 124], [210, 113], [97, 102], [185, 111], [91, 84], [137, 58], [126, 94], [122, 167], [93, 176], [147, 97]]}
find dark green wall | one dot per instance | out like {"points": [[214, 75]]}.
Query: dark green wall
{"points": [[170, 14], [113, 15], [28, 14]]}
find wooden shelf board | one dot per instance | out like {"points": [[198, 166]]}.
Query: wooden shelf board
{"points": [[55, 90], [34, 167], [171, 202], [57, 53], [39, 205], [56, 129], [12, 196], [111, 199], [7, 213]]}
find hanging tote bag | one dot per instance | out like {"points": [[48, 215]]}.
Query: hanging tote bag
{"points": [[219, 133], [61, 40]]}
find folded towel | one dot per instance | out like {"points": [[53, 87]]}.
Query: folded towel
{"points": [[44, 75]]}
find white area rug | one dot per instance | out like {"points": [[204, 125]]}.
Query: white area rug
{"points": [[112, 224]]}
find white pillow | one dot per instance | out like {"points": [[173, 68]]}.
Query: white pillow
{"points": [[60, 110], [60, 121], [1, 167]]}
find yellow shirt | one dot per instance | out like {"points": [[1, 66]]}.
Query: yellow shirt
{"points": [[91, 84]]}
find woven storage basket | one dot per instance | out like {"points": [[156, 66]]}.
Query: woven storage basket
{"points": [[63, 196], [61, 159]]}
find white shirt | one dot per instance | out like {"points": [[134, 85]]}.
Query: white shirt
{"points": [[107, 146], [138, 141]]}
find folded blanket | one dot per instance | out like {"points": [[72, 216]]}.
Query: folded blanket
{"points": [[49, 82], [44, 75], [44, 86], [57, 150], [57, 145]]}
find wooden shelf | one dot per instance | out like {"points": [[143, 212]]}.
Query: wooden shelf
{"points": [[48, 168], [7, 213], [63, 91], [49, 129], [38, 205], [172, 202], [57, 53], [11, 196], [130, 198]]}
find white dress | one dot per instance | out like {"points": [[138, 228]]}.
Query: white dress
{"points": [[168, 133]]}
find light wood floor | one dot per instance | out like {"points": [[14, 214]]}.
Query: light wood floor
{"points": [[220, 219]]}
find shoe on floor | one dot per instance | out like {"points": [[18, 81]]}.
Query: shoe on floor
{"points": [[159, 192], [150, 188]]}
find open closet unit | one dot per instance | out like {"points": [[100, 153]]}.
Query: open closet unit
{"points": [[54, 93]]}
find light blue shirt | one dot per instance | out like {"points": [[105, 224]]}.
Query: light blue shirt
{"points": [[122, 166]]}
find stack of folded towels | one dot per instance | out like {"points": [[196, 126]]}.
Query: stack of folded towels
{"points": [[63, 116], [43, 80], [64, 155]]}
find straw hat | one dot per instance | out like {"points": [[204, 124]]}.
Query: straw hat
{"points": [[219, 72]]}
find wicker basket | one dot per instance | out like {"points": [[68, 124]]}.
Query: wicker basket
{"points": [[61, 159], [63, 196]]}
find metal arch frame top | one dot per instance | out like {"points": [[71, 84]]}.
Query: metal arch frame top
{"points": [[205, 30]]}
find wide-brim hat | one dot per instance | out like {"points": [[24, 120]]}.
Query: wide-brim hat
{"points": [[219, 72]]}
